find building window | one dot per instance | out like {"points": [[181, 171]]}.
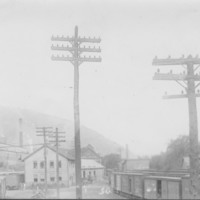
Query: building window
{"points": [[34, 164], [51, 164], [42, 164], [35, 179], [42, 178], [60, 164], [60, 178], [52, 179], [89, 172], [94, 173]]}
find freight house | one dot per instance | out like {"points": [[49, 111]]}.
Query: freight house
{"points": [[35, 170]]}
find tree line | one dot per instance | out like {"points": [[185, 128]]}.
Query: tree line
{"points": [[172, 158]]}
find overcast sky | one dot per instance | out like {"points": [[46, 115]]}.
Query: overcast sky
{"points": [[118, 97]]}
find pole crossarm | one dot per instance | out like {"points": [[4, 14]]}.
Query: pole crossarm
{"points": [[175, 96], [89, 59], [44, 128], [79, 39], [54, 136], [54, 141], [80, 59], [175, 77], [62, 38], [170, 77], [62, 48], [80, 49], [176, 61], [62, 58], [89, 39], [89, 49]]}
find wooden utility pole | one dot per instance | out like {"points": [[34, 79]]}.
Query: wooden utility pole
{"points": [[187, 81], [76, 49], [56, 142], [127, 152], [44, 133], [20, 133]]}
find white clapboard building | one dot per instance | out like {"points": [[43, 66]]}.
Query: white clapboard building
{"points": [[92, 169], [35, 168]]}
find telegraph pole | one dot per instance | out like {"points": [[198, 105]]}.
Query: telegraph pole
{"points": [[57, 141], [127, 152], [20, 133], [76, 49], [187, 81], [44, 131]]}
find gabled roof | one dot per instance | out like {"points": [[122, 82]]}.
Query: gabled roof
{"points": [[87, 148], [62, 152], [32, 153], [90, 164], [84, 151]]}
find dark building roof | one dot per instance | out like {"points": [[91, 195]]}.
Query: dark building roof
{"points": [[86, 152], [64, 152]]}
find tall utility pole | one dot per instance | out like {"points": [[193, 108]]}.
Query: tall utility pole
{"points": [[187, 81], [76, 49], [57, 141], [127, 152], [20, 133], [44, 133]]}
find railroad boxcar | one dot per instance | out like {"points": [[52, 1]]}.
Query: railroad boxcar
{"points": [[136, 185], [151, 184], [14, 181], [117, 179], [112, 182], [126, 185], [116, 182], [129, 185], [162, 187], [2, 187]]}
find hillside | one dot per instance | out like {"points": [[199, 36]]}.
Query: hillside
{"points": [[9, 127]]}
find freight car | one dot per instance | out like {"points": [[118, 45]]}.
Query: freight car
{"points": [[162, 187], [2, 187], [151, 185], [128, 184], [14, 180]]}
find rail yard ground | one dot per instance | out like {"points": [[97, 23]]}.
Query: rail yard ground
{"points": [[97, 190]]}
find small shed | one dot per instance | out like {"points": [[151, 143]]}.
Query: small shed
{"points": [[91, 169]]}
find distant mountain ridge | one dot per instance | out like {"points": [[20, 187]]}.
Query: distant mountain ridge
{"points": [[10, 128]]}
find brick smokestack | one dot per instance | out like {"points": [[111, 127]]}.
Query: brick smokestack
{"points": [[20, 133]]}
